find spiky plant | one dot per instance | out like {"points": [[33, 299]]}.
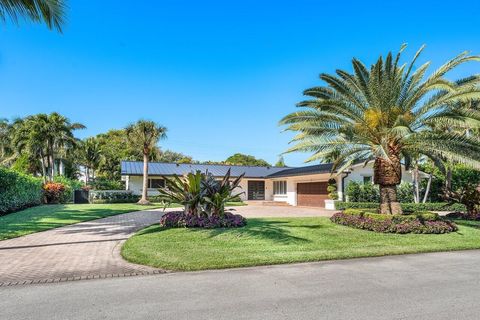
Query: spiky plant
{"points": [[384, 113], [51, 12], [145, 135]]}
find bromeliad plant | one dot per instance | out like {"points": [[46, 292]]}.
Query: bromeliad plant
{"points": [[385, 113], [200, 193]]}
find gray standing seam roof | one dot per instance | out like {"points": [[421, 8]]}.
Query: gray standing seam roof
{"points": [[135, 168]]}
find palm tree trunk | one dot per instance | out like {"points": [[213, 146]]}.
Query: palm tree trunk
{"points": [[427, 190], [44, 167], [144, 200], [52, 162], [416, 183], [387, 173]]}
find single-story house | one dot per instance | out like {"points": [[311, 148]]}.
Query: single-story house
{"points": [[300, 186]]}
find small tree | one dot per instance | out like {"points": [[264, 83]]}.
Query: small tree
{"points": [[280, 162], [145, 135]]}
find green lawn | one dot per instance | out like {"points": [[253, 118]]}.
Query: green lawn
{"points": [[46, 217], [281, 240]]}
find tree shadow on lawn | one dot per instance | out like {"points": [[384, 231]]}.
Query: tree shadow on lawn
{"points": [[50, 216], [272, 230], [468, 223]]}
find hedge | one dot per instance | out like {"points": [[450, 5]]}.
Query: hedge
{"points": [[18, 191], [112, 196], [409, 207]]}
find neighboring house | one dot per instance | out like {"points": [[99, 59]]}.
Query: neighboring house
{"points": [[301, 186]]}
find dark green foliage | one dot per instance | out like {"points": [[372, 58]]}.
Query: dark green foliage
{"points": [[422, 222], [70, 186], [101, 183], [246, 160], [332, 189], [408, 207], [357, 192], [99, 197], [18, 191]]}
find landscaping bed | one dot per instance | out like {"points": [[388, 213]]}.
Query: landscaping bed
{"points": [[281, 240], [422, 222]]}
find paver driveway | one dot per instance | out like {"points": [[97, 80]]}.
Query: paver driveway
{"points": [[80, 251]]}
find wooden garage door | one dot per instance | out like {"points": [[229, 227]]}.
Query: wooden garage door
{"points": [[312, 194]]}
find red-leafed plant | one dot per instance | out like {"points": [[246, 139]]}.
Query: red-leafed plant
{"points": [[54, 192]]}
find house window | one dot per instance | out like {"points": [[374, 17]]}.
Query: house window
{"points": [[156, 183], [367, 179], [279, 187]]}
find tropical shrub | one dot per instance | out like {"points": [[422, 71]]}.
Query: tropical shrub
{"points": [[182, 220], [199, 193], [54, 192], [112, 196], [18, 191], [357, 192], [70, 186], [426, 223], [408, 207]]}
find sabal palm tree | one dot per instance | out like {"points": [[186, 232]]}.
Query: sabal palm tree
{"points": [[145, 135], [51, 12], [384, 113]]}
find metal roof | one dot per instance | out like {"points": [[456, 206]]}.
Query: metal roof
{"points": [[135, 168], [300, 171]]}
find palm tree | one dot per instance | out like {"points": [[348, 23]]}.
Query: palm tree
{"points": [[5, 141], [51, 12], [385, 113], [91, 155], [44, 136], [145, 135]]}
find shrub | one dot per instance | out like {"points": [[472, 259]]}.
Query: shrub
{"points": [[463, 216], [18, 191], [70, 186], [394, 224], [106, 184], [54, 192], [407, 207], [112, 196], [357, 192], [182, 220], [332, 189]]}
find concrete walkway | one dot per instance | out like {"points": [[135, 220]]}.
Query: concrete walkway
{"points": [[424, 286], [80, 251]]}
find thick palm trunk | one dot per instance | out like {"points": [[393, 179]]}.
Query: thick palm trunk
{"points": [[388, 174], [144, 200]]}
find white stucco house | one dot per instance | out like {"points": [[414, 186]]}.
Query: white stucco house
{"points": [[300, 186]]}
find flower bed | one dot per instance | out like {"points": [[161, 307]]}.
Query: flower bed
{"points": [[424, 222], [182, 220]]}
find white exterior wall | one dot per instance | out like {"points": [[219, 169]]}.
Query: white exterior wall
{"points": [[135, 184]]}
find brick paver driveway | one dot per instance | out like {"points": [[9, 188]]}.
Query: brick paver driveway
{"points": [[80, 251]]}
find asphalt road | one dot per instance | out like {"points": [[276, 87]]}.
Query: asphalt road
{"points": [[427, 286]]}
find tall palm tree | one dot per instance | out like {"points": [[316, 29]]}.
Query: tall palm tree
{"points": [[145, 135], [51, 12], [91, 155], [384, 113], [5, 140], [45, 136]]}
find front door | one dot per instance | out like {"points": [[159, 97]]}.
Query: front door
{"points": [[256, 190]]}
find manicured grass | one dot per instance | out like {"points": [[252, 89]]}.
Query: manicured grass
{"points": [[281, 240], [46, 217]]}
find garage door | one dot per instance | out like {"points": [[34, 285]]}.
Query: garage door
{"points": [[312, 194]]}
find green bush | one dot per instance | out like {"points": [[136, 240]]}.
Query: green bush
{"points": [[106, 184], [18, 191], [408, 207], [103, 196], [357, 192], [70, 186]]}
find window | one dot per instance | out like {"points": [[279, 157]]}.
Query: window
{"points": [[279, 187], [367, 179], [156, 183]]}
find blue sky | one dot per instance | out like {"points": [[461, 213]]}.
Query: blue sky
{"points": [[218, 74]]}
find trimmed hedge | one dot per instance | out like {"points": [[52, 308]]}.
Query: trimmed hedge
{"points": [[182, 220], [18, 191], [112, 196], [408, 207], [424, 222]]}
